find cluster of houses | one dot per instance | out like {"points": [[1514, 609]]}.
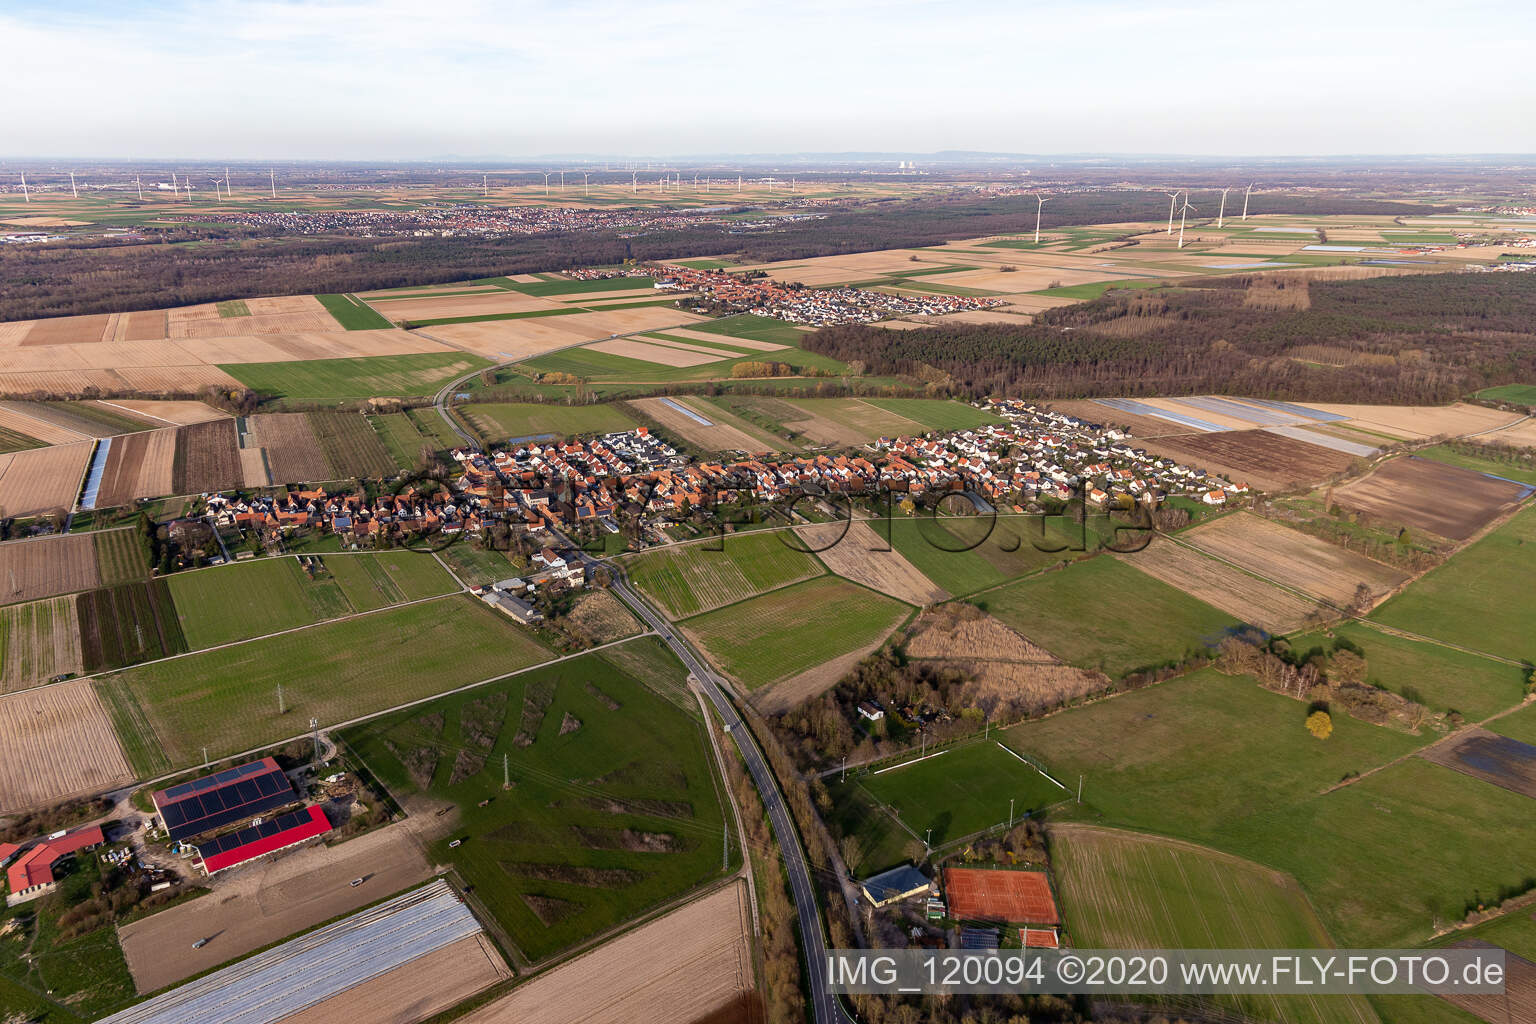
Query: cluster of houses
{"points": [[414, 509], [34, 869], [814, 307]]}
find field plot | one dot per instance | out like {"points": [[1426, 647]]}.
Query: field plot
{"points": [[707, 426], [1518, 394], [419, 307], [1102, 614], [692, 578], [1507, 763], [613, 802], [1516, 1005], [1480, 598], [127, 624], [138, 466], [415, 991], [22, 419], [269, 900], [1416, 422], [651, 352], [370, 580], [1423, 494], [222, 604], [1291, 558], [682, 967], [846, 421], [42, 479], [502, 421], [1123, 890], [293, 452], [226, 698], [794, 629], [1258, 458], [318, 379], [860, 555], [56, 742], [1223, 586], [207, 458], [351, 445], [45, 566], [171, 413], [38, 640]]}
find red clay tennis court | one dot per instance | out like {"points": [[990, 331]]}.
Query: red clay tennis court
{"points": [[979, 894], [1039, 938]]}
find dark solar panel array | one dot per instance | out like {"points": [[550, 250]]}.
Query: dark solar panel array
{"points": [[225, 843], [216, 779], [204, 812]]}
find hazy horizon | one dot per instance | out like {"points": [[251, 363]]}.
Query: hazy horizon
{"points": [[472, 80]]}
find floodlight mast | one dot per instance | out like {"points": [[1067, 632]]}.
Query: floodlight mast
{"points": [[1040, 202], [1223, 211], [1173, 197]]}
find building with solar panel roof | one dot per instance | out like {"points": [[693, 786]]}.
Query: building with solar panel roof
{"points": [[223, 798]]}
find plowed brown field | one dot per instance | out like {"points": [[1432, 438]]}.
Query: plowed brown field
{"points": [[1223, 586], [56, 742], [294, 454], [42, 479], [1426, 495], [1255, 457], [31, 569], [1291, 558]]}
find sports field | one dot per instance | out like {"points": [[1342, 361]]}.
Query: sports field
{"points": [[793, 629], [1122, 890], [1480, 599], [227, 699], [613, 807], [1219, 761], [693, 578], [1103, 614], [957, 792], [331, 380]]}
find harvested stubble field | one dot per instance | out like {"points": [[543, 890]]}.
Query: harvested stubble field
{"points": [[293, 452], [42, 479], [1258, 458], [21, 419], [350, 445], [1423, 494], [692, 578], [650, 352], [1420, 421], [1291, 558], [1504, 762], [793, 629], [45, 566], [38, 640], [719, 436], [138, 466], [679, 968], [415, 991], [173, 413], [56, 742], [1220, 585], [1008, 671], [1124, 890], [859, 554], [207, 458], [270, 900]]}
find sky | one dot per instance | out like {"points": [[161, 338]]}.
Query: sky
{"points": [[506, 79]]}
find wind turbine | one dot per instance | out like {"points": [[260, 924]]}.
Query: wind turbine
{"points": [[1183, 213], [562, 183], [216, 193], [485, 185], [140, 186], [634, 181], [24, 193], [585, 188], [546, 182], [227, 176], [1223, 211], [272, 176], [173, 184], [738, 183], [72, 185], [1040, 202], [1173, 197], [1246, 194]]}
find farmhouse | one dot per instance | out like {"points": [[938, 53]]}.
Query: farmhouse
{"points": [[895, 885], [32, 873]]}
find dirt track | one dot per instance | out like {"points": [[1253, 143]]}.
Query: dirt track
{"points": [[257, 905]]}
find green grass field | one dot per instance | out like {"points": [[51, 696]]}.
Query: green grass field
{"points": [[1085, 292], [1438, 677], [1220, 761], [232, 308], [371, 581], [1519, 394], [936, 413], [334, 380], [793, 629], [500, 421], [1103, 614], [1121, 890], [958, 792], [352, 313], [403, 438], [558, 836], [757, 328], [1480, 599], [227, 699], [691, 578], [477, 566], [121, 556], [964, 554], [1443, 453]]}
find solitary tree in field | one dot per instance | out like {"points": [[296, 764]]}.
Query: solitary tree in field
{"points": [[1320, 724]]}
